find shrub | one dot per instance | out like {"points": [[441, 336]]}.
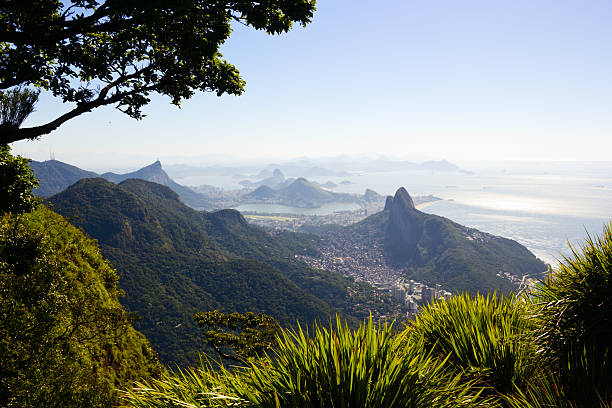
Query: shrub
{"points": [[16, 183]]}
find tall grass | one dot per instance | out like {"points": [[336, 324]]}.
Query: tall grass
{"points": [[190, 388]]}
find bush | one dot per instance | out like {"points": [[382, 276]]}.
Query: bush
{"points": [[16, 183]]}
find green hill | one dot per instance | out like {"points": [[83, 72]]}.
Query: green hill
{"points": [[55, 176], [434, 249], [306, 194], [65, 340], [174, 261], [298, 193]]}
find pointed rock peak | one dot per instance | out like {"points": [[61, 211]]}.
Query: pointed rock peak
{"points": [[402, 197], [279, 174], [301, 180], [154, 166], [388, 203]]}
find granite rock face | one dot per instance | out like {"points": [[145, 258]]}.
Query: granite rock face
{"points": [[404, 229]]}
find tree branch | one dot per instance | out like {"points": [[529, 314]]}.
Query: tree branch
{"points": [[10, 134], [228, 356]]}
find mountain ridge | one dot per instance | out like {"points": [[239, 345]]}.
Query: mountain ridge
{"points": [[174, 261], [55, 176]]}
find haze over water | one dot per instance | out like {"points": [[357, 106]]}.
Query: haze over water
{"points": [[541, 205]]}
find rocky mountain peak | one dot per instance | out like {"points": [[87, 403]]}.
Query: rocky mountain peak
{"points": [[403, 198], [388, 203], [371, 195], [404, 228]]}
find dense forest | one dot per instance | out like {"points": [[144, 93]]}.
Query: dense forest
{"points": [[175, 261]]}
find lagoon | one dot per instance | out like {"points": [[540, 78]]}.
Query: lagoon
{"points": [[325, 209]]}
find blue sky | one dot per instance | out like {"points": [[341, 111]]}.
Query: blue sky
{"points": [[428, 79]]}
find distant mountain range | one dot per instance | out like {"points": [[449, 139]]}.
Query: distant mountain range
{"points": [[341, 166], [276, 180], [174, 261], [432, 249], [55, 176]]}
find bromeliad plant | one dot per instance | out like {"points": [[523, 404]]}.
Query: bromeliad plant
{"points": [[339, 367], [487, 339], [573, 313], [336, 367]]}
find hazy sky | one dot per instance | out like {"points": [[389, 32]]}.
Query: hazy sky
{"points": [[469, 79]]}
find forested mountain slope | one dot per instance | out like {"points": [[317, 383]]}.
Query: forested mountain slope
{"points": [[174, 261], [55, 176], [65, 340]]}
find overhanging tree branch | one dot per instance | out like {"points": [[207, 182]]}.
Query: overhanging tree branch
{"points": [[64, 46], [10, 134]]}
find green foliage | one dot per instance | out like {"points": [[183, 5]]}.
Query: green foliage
{"points": [[99, 52], [493, 351], [488, 339], [16, 105], [64, 338], [340, 367], [573, 310], [238, 337], [16, 183], [175, 261]]}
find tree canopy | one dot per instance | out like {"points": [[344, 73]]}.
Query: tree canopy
{"points": [[16, 183], [92, 53], [238, 337], [65, 340]]}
